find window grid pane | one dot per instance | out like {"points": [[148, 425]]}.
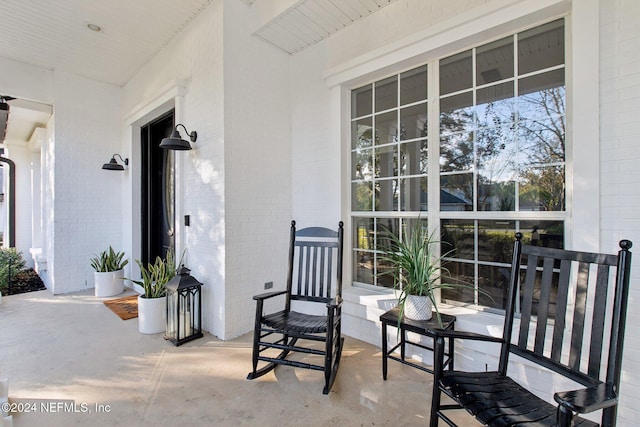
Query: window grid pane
{"points": [[501, 126]]}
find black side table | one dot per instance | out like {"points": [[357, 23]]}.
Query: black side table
{"points": [[421, 327]]}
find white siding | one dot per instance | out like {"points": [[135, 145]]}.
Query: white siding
{"points": [[236, 182], [195, 59], [258, 168], [86, 201], [620, 175]]}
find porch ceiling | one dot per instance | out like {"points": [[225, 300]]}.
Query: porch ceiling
{"points": [[307, 22], [56, 34]]}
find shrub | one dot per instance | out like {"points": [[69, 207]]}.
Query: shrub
{"points": [[11, 262]]}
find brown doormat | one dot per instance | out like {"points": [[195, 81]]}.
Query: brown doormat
{"points": [[125, 307]]}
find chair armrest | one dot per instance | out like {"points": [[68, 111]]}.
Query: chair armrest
{"points": [[268, 295], [589, 399], [464, 335], [335, 303]]}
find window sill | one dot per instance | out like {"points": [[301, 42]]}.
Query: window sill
{"points": [[369, 304]]}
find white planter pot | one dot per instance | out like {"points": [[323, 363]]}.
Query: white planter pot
{"points": [[109, 283], [418, 307], [152, 314]]}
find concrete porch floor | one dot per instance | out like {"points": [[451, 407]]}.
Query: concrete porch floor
{"points": [[73, 362]]}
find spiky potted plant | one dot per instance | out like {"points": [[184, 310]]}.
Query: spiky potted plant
{"points": [[109, 272], [152, 302], [418, 271]]}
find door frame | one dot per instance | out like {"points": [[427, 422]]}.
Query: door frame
{"points": [[149, 208], [167, 98]]}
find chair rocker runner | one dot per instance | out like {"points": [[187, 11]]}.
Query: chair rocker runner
{"points": [[314, 278], [570, 304]]}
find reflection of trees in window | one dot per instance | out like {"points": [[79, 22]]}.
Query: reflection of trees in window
{"points": [[542, 188], [456, 150], [531, 153], [545, 130], [413, 157], [543, 135], [496, 152], [362, 194], [362, 132]]}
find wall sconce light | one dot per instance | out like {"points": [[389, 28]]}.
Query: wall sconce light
{"points": [[113, 165], [175, 142]]}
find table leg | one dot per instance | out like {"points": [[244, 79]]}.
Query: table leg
{"points": [[450, 354], [384, 351], [402, 332]]}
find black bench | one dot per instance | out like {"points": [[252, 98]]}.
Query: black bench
{"points": [[571, 320]]}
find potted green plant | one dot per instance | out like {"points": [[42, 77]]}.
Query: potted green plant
{"points": [[417, 271], [109, 272], [152, 302]]}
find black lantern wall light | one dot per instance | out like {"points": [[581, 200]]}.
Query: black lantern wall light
{"points": [[113, 164], [184, 308], [175, 142]]}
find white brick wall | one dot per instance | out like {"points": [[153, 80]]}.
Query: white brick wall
{"points": [[194, 57], [619, 158], [258, 168], [86, 200], [78, 205], [317, 177], [236, 182]]}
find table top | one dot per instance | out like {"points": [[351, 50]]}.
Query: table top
{"points": [[420, 326]]}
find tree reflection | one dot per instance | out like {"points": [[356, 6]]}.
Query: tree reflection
{"points": [[515, 155], [542, 176]]}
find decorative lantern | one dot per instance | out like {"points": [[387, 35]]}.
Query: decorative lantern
{"points": [[184, 304]]}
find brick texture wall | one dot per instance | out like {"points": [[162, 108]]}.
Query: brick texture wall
{"points": [[619, 159], [258, 168], [86, 201]]}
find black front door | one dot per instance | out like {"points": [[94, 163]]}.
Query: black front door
{"points": [[158, 190]]}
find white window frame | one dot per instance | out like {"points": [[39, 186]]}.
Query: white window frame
{"points": [[475, 28]]}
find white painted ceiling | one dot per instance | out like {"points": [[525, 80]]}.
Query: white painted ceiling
{"points": [[56, 35], [311, 21]]}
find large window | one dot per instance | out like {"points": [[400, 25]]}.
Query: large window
{"points": [[388, 164], [497, 130]]}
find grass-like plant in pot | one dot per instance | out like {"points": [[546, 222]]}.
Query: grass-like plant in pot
{"points": [[152, 302], [155, 276], [109, 272], [417, 270], [108, 260]]}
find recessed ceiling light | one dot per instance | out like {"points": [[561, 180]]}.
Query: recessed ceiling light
{"points": [[94, 27]]}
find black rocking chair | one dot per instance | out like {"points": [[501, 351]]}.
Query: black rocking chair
{"points": [[314, 276], [572, 321]]}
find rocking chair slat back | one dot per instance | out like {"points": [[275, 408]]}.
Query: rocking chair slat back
{"points": [[313, 267]]}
